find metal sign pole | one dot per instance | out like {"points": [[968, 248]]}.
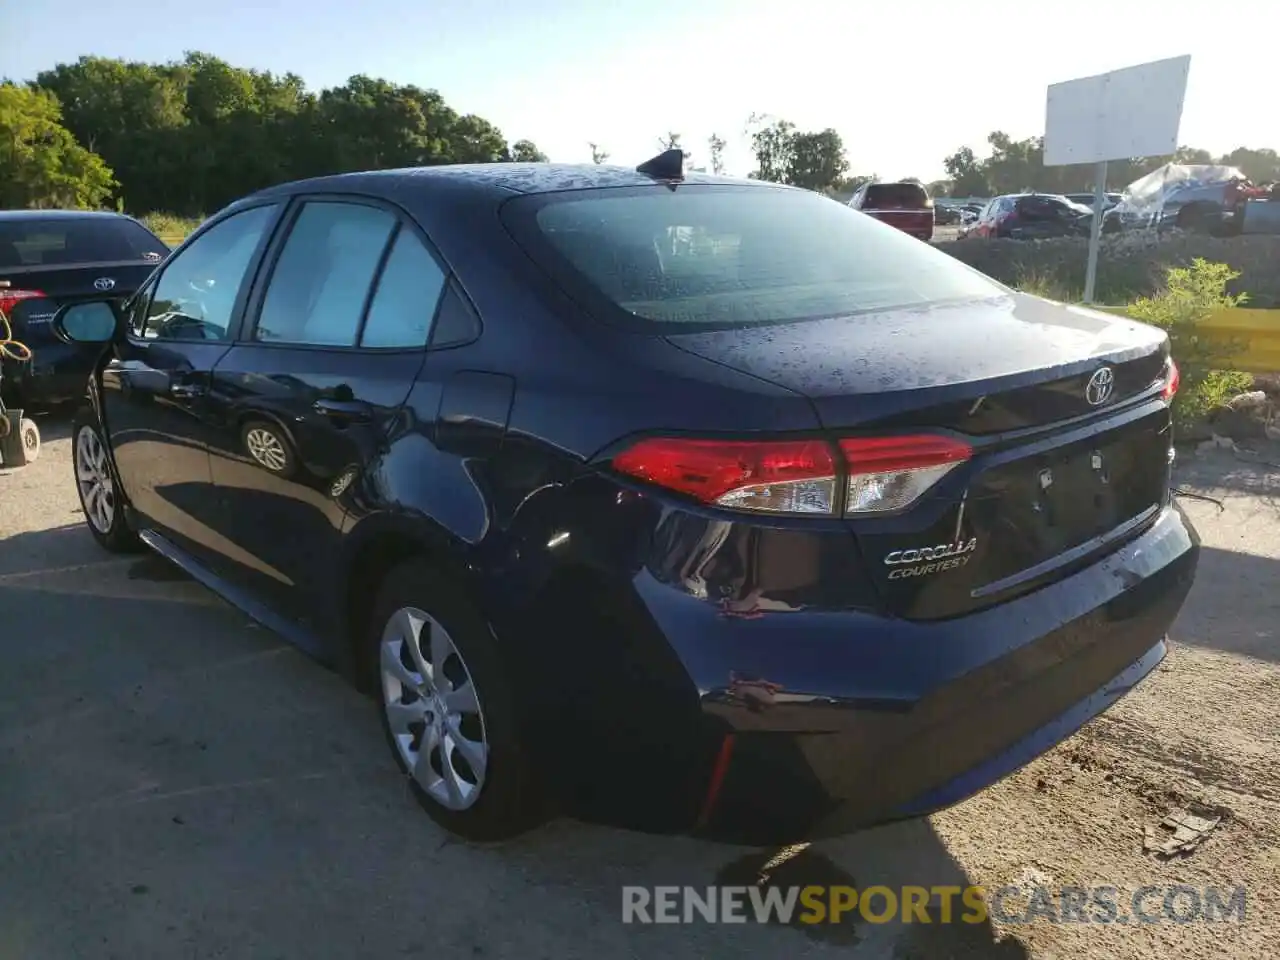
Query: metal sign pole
{"points": [[1095, 234]]}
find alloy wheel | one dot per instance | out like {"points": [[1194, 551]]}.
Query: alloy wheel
{"points": [[265, 447], [93, 477], [433, 709]]}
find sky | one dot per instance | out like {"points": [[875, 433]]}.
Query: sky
{"points": [[905, 84]]}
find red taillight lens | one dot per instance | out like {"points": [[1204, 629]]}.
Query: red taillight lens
{"points": [[1172, 379], [890, 473], [11, 298], [789, 476], [796, 476]]}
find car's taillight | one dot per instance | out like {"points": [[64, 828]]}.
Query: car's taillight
{"points": [[890, 473], [1172, 379], [10, 298], [786, 476], [881, 474]]}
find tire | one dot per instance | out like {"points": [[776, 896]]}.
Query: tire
{"points": [[30, 440], [267, 447], [110, 527], [502, 799]]}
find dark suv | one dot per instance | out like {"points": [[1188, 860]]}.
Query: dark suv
{"points": [[685, 503]]}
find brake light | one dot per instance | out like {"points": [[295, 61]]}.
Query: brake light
{"points": [[788, 476], [882, 474], [11, 298], [1172, 380], [890, 473]]}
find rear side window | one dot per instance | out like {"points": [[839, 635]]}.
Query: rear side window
{"points": [[896, 196], [405, 301], [715, 257], [318, 288], [52, 241]]}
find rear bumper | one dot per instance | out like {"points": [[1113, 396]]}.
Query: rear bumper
{"points": [[57, 372], [843, 720]]}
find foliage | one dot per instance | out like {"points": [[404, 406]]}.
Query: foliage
{"points": [[1191, 294], [41, 165], [715, 147], [598, 153], [169, 227], [1017, 165], [815, 160], [191, 135]]}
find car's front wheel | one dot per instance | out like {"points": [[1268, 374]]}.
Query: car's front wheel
{"points": [[100, 496], [448, 708]]}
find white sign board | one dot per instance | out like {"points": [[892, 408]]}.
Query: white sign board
{"points": [[1134, 112]]}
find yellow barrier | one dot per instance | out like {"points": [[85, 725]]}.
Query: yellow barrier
{"points": [[1257, 330]]}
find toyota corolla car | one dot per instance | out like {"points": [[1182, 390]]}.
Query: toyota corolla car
{"points": [[677, 502]]}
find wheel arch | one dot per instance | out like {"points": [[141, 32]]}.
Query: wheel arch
{"points": [[374, 547]]}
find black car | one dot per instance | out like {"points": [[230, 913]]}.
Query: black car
{"points": [[1032, 216], [52, 257], [678, 502]]}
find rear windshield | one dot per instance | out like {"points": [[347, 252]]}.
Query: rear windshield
{"points": [[716, 257], [896, 196], [67, 240]]}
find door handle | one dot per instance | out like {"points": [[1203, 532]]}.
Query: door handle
{"points": [[353, 411], [185, 391]]}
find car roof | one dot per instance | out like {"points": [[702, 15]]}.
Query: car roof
{"points": [[493, 180], [8, 216]]}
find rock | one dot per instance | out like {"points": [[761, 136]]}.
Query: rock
{"points": [[1268, 383], [1238, 424], [1253, 400]]}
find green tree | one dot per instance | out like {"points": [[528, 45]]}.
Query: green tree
{"points": [[772, 141], [968, 176], [190, 135], [598, 153], [818, 160], [41, 165], [526, 151]]}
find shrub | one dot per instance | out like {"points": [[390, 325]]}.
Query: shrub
{"points": [[169, 227], [1189, 297]]}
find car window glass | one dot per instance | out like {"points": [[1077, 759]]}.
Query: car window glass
{"points": [[196, 293], [405, 300], [318, 288], [729, 257]]}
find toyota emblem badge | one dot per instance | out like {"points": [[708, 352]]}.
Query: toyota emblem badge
{"points": [[1098, 390], [103, 283]]}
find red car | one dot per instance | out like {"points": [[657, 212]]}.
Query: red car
{"points": [[906, 206]]}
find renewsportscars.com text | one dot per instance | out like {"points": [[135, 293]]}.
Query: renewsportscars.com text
{"points": [[937, 904]]}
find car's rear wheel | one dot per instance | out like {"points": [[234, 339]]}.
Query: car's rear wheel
{"points": [[448, 709], [100, 495]]}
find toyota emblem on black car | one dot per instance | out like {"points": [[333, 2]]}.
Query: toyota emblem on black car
{"points": [[1098, 390], [103, 283]]}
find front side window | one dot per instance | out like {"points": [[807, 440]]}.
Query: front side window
{"points": [[713, 257], [195, 295], [322, 278]]}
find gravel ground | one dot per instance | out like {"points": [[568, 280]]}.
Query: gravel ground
{"points": [[177, 783]]}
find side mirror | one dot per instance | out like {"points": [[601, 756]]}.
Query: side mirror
{"points": [[95, 321]]}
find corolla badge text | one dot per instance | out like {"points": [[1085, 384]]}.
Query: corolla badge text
{"points": [[922, 561]]}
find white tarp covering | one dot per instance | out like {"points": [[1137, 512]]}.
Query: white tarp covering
{"points": [[1148, 195]]}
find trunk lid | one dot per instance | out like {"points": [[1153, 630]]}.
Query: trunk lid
{"points": [[67, 283], [1054, 481]]}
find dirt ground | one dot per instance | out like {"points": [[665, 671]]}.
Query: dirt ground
{"points": [[212, 793], [1205, 729]]}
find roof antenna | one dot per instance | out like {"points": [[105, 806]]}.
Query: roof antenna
{"points": [[668, 165]]}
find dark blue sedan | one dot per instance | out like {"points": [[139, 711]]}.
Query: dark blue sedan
{"points": [[678, 502]]}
